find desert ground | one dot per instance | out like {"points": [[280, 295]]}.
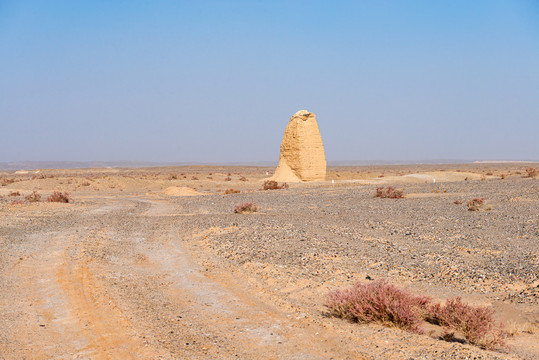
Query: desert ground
{"points": [[153, 263]]}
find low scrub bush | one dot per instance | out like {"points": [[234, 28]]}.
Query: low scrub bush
{"points": [[243, 178], [475, 323], [232, 191], [17, 202], [173, 177], [228, 178], [57, 196], [33, 197], [14, 193], [7, 181], [246, 208], [382, 302], [379, 301], [532, 172], [274, 185], [390, 192], [475, 204]]}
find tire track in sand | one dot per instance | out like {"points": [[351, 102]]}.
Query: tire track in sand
{"points": [[111, 335]]}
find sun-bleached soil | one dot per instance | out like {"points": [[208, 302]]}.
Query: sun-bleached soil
{"points": [[154, 264]]}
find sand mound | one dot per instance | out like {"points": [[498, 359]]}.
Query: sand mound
{"points": [[302, 151], [181, 191]]}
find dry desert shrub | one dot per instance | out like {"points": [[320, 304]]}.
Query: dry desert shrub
{"points": [[476, 204], [14, 193], [194, 178], [7, 181], [382, 302], [274, 185], [57, 196], [458, 202], [532, 172], [476, 323], [243, 178], [228, 178], [17, 202], [246, 208], [33, 197], [390, 193], [379, 301], [173, 177], [232, 191]]}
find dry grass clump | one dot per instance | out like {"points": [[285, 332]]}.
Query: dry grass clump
{"points": [[532, 172], [246, 208], [173, 177], [228, 178], [194, 178], [382, 302], [232, 191], [274, 185], [14, 193], [57, 196], [243, 178], [390, 193], [33, 197]]}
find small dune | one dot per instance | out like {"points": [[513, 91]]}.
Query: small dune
{"points": [[181, 191]]}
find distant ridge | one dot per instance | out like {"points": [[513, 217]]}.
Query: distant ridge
{"points": [[34, 165]]}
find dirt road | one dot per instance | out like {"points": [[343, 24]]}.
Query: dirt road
{"points": [[116, 283]]}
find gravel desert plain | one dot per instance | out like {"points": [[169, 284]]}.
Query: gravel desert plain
{"points": [[153, 263]]}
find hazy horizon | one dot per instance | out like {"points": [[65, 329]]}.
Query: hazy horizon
{"points": [[217, 81]]}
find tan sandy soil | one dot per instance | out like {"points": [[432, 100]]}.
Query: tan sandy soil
{"points": [[140, 266]]}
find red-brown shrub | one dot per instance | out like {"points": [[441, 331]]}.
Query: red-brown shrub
{"points": [[14, 193], [33, 197], [476, 323], [379, 301], [243, 178], [246, 208], [274, 185], [57, 196], [532, 172], [390, 193], [7, 181], [232, 191], [228, 178], [475, 204]]}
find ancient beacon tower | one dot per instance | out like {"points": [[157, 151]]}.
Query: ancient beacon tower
{"points": [[302, 151]]}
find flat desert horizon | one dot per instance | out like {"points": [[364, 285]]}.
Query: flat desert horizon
{"points": [[155, 263]]}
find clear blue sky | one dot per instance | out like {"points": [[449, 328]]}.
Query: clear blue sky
{"points": [[217, 81]]}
